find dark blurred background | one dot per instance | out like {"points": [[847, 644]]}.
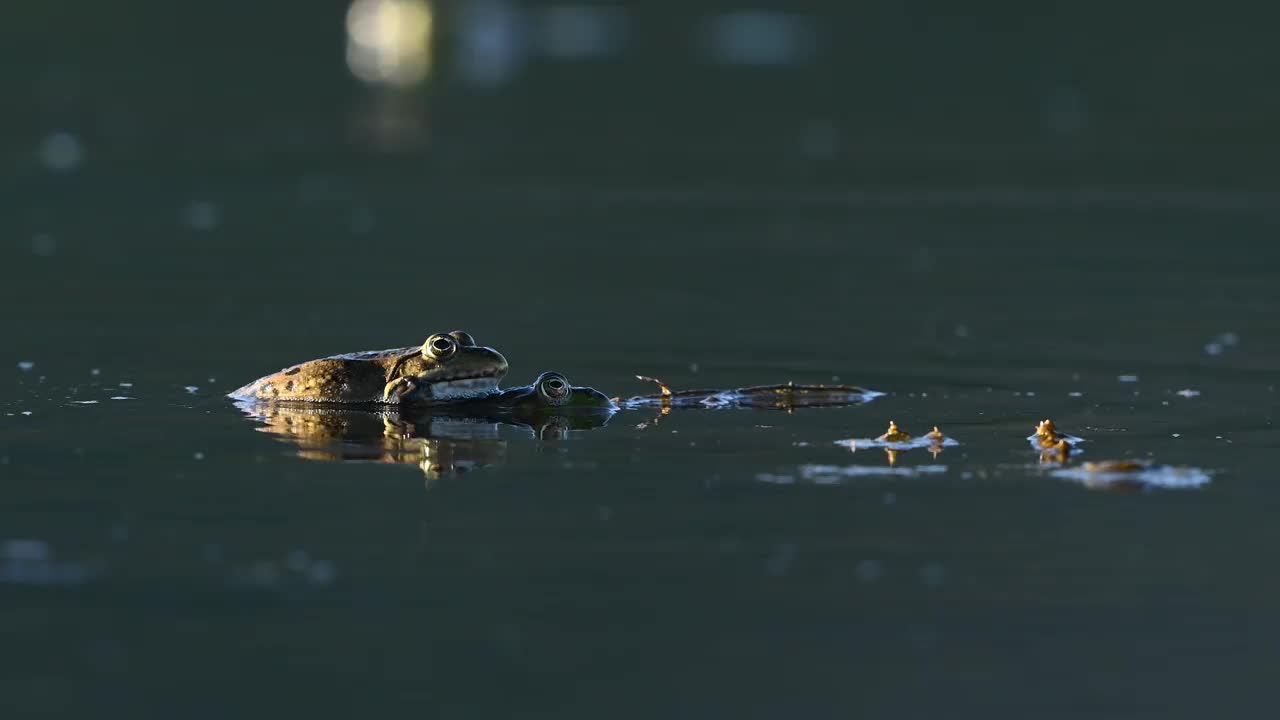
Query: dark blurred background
{"points": [[914, 93]]}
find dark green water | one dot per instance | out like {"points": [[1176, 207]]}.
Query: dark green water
{"points": [[165, 558]]}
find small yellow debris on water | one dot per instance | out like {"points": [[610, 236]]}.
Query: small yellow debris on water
{"points": [[893, 434], [936, 435]]}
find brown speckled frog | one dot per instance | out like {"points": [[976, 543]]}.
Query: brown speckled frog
{"points": [[448, 367]]}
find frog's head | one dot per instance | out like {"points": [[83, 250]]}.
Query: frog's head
{"points": [[449, 366], [553, 390]]}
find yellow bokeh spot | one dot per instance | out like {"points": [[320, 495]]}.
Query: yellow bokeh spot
{"points": [[389, 41]]}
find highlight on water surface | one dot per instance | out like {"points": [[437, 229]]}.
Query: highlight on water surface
{"points": [[1134, 475], [784, 396], [895, 438], [817, 474]]}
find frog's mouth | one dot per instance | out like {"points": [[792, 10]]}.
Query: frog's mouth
{"points": [[464, 388]]}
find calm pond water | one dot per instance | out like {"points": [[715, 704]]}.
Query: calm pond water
{"points": [[163, 556]]}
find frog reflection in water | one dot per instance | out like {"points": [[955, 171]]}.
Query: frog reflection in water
{"points": [[446, 368], [440, 439]]}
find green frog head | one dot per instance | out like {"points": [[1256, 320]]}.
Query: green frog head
{"points": [[550, 394], [553, 391], [448, 367]]}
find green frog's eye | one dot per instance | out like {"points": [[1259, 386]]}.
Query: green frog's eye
{"points": [[440, 347], [555, 388], [464, 338]]}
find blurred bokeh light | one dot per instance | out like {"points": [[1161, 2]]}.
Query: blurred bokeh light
{"points": [[389, 41]]}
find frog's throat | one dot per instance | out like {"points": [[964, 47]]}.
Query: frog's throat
{"points": [[464, 388]]}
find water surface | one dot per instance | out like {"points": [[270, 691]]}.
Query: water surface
{"points": [[165, 556]]}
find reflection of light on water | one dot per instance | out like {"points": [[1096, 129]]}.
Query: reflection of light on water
{"points": [[489, 48], [31, 562], [835, 474], [201, 215], [759, 37], [1153, 476], [389, 41], [61, 152], [855, 444], [580, 32]]}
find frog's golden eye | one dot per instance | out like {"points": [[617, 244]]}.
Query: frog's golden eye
{"points": [[464, 338], [440, 347], [555, 388]]}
